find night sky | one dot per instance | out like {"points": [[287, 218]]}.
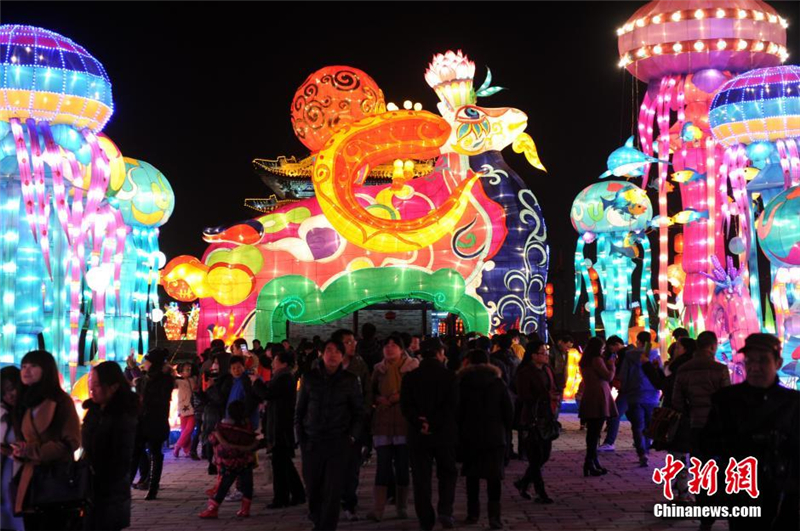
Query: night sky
{"points": [[201, 89]]}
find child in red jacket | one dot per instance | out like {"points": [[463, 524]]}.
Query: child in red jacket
{"points": [[234, 443]]}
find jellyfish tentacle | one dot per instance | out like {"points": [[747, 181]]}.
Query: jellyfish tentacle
{"points": [[56, 164], [645, 288], [579, 267], [42, 212], [23, 161]]}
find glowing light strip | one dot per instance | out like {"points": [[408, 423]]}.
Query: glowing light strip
{"points": [[699, 14], [704, 45]]}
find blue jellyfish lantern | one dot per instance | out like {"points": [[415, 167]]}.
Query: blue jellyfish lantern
{"points": [[614, 215]]}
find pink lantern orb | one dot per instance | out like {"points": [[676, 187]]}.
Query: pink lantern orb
{"points": [[668, 37]]}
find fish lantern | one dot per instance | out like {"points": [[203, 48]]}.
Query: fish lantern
{"points": [[616, 214]]}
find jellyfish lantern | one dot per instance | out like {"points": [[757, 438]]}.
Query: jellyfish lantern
{"points": [[614, 215], [778, 230], [685, 51]]}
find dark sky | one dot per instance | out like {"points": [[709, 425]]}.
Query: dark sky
{"points": [[201, 89]]}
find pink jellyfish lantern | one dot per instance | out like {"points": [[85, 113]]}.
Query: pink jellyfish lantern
{"points": [[685, 51]]}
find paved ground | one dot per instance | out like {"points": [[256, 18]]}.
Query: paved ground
{"points": [[623, 499]]}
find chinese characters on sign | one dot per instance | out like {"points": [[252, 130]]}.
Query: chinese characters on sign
{"points": [[740, 476]]}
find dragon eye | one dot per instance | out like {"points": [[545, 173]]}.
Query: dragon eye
{"points": [[471, 113]]}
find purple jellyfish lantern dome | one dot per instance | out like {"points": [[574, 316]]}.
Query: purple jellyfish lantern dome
{"points": [[48, 77], [758, 106], [668, 37]]}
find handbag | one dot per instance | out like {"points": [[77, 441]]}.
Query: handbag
{"points": [[60, 484], [548, 429], [664, 426]]}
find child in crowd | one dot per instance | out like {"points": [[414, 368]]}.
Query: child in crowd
{"points": [[185, 383], [234, 443]]}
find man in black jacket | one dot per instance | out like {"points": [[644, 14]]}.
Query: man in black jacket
{"points": [[759, 419], [428, 399], [280, 393], [328, 420]]}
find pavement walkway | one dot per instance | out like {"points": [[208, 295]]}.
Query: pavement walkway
{"points": [[623, 499]]}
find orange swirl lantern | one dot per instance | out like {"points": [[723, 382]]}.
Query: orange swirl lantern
{"points": [[368, 143], [331, 98]]}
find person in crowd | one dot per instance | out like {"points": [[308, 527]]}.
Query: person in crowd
{"points": [[368, 347], [414, 345], [428, 401], [536, 388], [215, 397], [677, 334], [389, 428], [258, 350], [516, 346], [484, 415], [760, 419], [234, 442], [186, 385], [558, 362], [280, 393], [12, 390], [328, 420], [307, 354], [241, 388], [638, 392], [239, 348], [681, 351], [615, 348], [155, 392], [49, 429], [132, 370], [287, 346], [198, 403], [698, 379], [108, 434], [218, 359], [355, 364], [597, 405], [502, 357], [453, 353]]}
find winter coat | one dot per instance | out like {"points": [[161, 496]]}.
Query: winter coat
{"points": [[635, 387], [52, 433], [155, 389], [359, 367], [280, 393], [746, 421], [484, 415], [502, 359], [8, 470], [234, 446], [697, 380], [558, 362], [663, 381], [430, 391], [185, 407], [329, 406], [537, 393], [108, 437], [388, 420], [597, 402]]}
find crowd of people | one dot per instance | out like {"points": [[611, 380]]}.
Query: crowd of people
{"points": [[407, 402]]}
